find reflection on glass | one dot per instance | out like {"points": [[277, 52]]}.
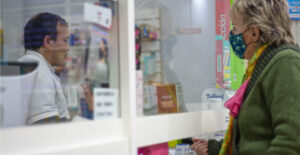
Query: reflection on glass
{"points": [[17, 83], [179, 64], [77, 76], [49, 49]]}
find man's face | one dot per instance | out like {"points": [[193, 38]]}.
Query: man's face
{"points": [[60, 46]]}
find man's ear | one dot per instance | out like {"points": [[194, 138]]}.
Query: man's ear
{"points": [[255, 34], [47, 42]]}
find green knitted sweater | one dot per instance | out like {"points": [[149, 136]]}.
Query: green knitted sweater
{"points": [[269, 120]]}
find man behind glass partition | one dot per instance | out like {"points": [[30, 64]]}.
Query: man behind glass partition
{"points": [[46, 38]]}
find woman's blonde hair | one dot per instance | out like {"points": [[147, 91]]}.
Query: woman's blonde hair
{"points": [[270, 16]]}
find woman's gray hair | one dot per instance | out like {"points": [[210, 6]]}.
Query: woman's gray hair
{"points": [[270, 16]]}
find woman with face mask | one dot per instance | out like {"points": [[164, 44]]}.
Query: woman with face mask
{"points": [[264, 113]]}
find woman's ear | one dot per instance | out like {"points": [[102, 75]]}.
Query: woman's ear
{"points": [[47, 41], [255, 34]]}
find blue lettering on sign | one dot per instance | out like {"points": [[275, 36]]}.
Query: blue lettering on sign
{"points": [[221, 96]]}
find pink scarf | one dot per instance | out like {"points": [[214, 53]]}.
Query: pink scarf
{"points": [[234, 103]]}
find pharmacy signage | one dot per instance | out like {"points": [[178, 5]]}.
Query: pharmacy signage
{"points": [[294, 9]]}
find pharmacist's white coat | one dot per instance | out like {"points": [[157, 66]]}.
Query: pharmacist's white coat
{"points": [[48, 99]]}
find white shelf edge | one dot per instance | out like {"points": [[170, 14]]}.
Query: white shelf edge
{"points": [[44, 139], [92, 148], [163, 128]]}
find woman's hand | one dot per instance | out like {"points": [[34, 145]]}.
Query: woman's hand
{"points": [[200, 146]]}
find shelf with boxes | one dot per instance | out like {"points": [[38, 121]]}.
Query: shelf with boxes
{"points": [[148, 44]]}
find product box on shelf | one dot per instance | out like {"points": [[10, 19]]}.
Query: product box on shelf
{"points": [[173, 143], [150, 96], [166, 98], [139, 93], [157, 149], [179, 96]]}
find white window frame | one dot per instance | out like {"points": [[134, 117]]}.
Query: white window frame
{"points": [[120, 136]]}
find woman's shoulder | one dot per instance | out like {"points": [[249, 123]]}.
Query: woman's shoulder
{"points": [[285, 55], [284, 63]]}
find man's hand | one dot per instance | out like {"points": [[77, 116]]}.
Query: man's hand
{"points": [[200, 146], [88, 97]]}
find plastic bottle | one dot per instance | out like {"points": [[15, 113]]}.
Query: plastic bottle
{"points": [[182, 149]]}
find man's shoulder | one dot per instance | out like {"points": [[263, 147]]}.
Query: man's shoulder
{"points": [[27, 57], [44, 73], [33, 58]]}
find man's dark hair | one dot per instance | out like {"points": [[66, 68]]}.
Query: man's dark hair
{"points": [[38, 27]]}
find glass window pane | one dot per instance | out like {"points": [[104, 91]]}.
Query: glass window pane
{"points": [[59, 61], [177, 55]]}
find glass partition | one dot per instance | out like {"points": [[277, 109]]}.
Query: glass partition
{"points": [[75, 45], [183, 57]]}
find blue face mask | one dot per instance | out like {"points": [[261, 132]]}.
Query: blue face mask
{"points": [[238, 45]]}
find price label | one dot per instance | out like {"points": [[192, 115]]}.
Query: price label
{"points": [[98, 14], [105, 103]]}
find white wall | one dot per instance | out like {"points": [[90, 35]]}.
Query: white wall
{"points": [[188, 59], [296, 31]]}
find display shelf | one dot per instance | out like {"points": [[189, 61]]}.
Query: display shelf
{"points": [[95, 137], [63, 4], [82, 47], [150, 39], [154, 73], [151, 51], [163, 128], [150, 18]]}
